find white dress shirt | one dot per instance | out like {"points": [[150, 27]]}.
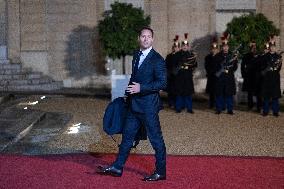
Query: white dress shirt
{"points": [[144, 55]]}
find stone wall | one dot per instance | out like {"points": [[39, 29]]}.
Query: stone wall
{"points": [[274, 11], [176, 17], [281, 26], [3, 22], [33, 36], [281, 38], [73, 49], [60, 37], [135, 3], [13, 34], [226, 10], [33, 26], [235, 4]]}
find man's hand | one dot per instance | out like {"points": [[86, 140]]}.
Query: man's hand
{"points": [[133, 88]]}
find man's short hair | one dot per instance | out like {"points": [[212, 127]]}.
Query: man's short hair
{"points": [[146, 28]]}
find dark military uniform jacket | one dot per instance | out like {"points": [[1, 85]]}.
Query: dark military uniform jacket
{"points": [[270, 70], [171, 65], [249, 71], [210, 67], [183, 80], [225, 77], [260, 62]]}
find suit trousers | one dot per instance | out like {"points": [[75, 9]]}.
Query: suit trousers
{"points": [[224, 102], [152, 124], [211, 100], [250, 101], [171, 100], [274, 104], [183, 102]]}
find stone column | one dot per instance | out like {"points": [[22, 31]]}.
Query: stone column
{"points": [[281, 25], [282, 39], [13, 30], [274, 11], [2, 22], [159, 22], [3, 32]]}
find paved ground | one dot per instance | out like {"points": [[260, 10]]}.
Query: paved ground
{"points": [[75, 125]]}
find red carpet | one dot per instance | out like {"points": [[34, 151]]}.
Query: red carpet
{"points": [[77, 171]]}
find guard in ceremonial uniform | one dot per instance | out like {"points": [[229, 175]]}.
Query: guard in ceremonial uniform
{"points": [[210, 67], [271, 80], [171, 65], [184, 87], [260, 61], [227, 64], [249, 71]]}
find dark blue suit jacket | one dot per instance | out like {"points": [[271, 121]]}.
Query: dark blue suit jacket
{"points": [[151, 76], [114, 117]]}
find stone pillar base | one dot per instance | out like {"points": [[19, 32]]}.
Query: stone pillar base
{"points": [[3, 55], [4, 61]]}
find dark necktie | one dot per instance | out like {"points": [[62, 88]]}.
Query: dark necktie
{"points": [[137, 62]]}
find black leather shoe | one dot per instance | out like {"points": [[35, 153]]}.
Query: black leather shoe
{"points": [[276, 114], [111, 170], [264, 114], [190, 111], [154, 177], [231, 112], [217, 112], [211, 106]]}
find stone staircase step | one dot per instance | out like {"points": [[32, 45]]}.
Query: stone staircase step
{"points": [[10, 71], [26, 82], [21, 76], [11, 77], [34, 75], [58, 84], [14, 78], [10, 66], [15, 71], [40, 87], [40, 81]]}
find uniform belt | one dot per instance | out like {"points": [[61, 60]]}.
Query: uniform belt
{"points": [[185, 67], [272, 69]]}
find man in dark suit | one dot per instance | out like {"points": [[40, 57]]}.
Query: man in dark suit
{"points": [[147, 79]]}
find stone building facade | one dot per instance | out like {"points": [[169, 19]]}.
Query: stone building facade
{"points": [[60, 37]]}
